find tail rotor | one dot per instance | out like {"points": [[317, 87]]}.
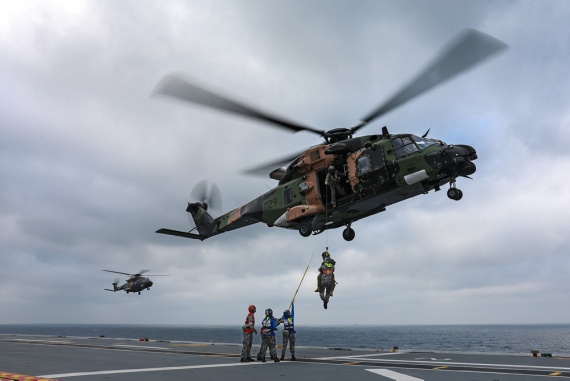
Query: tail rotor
{"points": [[208, 194], [115, 284]]}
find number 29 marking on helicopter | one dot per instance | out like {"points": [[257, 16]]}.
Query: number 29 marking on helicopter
{"points": [[375, 171]]}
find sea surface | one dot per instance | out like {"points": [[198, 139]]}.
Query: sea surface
{"points": [[516, 339]]}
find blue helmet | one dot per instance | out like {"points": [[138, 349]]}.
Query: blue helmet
{"points": [[286, 314], [269, 312]]}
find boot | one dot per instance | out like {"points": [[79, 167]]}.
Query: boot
{"points": [[263, 359], [325, 304], [282, 358], [250, 359], [331, 293], [293, 358], [259, 358], [275, 359], [318, 289], [243, 359]]}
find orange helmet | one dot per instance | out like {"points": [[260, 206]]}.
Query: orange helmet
{"points": [[251, 309]]}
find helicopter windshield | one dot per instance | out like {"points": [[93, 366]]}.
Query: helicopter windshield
{"points": [[406, 145], [423, 142]]}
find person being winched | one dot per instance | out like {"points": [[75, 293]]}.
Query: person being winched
{"points": [[329, 265], [327, 282]]}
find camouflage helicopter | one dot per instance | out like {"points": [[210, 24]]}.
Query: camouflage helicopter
{"points": [[135, 283], [376, 170]]}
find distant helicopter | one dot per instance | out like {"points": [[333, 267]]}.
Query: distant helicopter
{"points": [[136, 282], [375, 170]]}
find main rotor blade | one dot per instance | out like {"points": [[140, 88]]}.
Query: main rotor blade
{"points": [[469, 49], [117, 272], [265, 169], [176, 87]]}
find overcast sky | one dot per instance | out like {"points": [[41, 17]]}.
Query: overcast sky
{"points": [[91, 165]]}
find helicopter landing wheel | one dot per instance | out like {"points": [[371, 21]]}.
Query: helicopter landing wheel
{"points": [[348, 234], [305, 229], [454, 194], [139, 292]]}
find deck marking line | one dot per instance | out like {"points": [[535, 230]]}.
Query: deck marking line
{"points": [[142, 370], [138, 347], [440, 367], [448, 364], [353, 356], [555, 374], [192, 345], [394, 375]]}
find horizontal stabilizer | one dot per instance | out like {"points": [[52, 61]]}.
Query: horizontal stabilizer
{"points": [[181, 234], [110, 290]]}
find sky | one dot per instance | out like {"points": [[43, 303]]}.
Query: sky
{"points": [[91, 164]]}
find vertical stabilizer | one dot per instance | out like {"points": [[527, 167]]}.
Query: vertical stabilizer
{"points": [[204, 222]]}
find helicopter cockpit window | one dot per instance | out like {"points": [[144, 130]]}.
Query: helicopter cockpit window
{"points": [[404, 146], [423, 142]]}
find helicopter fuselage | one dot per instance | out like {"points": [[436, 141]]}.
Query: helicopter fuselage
{"points": [[134, 285], [376, 171]]}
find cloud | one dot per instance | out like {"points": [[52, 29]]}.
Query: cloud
{"points": [[91, 165]]}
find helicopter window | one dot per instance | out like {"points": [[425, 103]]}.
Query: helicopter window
{"points": [[423, 142], [362, 164], [288, 196], [315, 155], [404, 146]]}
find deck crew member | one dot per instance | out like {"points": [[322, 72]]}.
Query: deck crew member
{"points": [[288, 320], [268, 328], [248, 331]]}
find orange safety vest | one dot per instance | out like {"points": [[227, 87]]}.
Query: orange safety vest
{"points": [[249, 330]]}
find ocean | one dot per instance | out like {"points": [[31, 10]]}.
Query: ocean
{"points": [[514, 339]]}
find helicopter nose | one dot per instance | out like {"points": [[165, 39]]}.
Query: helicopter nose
{"points": [[149, 283], [466, 167], [458, 159], [468, 151]]}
